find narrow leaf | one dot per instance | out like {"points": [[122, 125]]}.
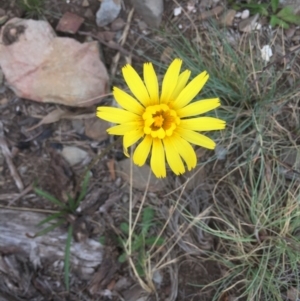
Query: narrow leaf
{"points": [[67, 258], [50, 218], [49, 197], [50, 228], [84, 188], [274, 4]]}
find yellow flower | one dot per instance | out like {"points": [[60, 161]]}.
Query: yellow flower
{"points": [[166, 122]]}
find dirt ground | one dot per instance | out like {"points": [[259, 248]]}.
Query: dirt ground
{"points": [[38, 156]]}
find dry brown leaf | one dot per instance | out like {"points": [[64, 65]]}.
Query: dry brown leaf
{"points": [[53, 116], [111, 167]]}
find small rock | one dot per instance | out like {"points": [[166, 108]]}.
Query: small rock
{"points": [[117, 24], [177, 11], [245, 14], [266, 53], [140, 176], [228, 17], [238, 14], [69, 23], [78, 126], [108, 12], [96, 128], [75, 155], [150, 11], [85, 3], [249, 24]]}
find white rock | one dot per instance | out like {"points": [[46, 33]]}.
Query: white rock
{"points": [[177, 11], [266, 53], [245, 14], [238, 14], [108, 12]]}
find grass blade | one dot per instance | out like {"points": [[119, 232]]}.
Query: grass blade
{"points": [[67, 258], [50, 218], [49, 197], [83, 188], [50, 228]]}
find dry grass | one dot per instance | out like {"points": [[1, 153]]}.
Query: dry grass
{"points": [[244, 217]]}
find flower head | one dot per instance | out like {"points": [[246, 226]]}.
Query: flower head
{"points": [[164, 123]]}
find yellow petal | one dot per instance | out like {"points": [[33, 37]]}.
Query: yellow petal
{"points": [[116, 115], [142, 151], [170, 80], [196, 138], [124, 128], [157, 162], [127, 102], [198, 107], [173, 157], [185, 150], [191, 90], [182, 80], [151, 83], [203, 124], [136, 85], [131, 138]]}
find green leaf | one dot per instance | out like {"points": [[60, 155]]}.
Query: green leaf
{"points": [[102, 240], [50, 228], [256, 8], [276, 21], [140, 270], [49, 197], [71, 202], [154, 241], [124, 228], [274, 4], [84, 188], [287, 14], [137, 243], [50, 218], [122, 258], [67, 257], [147, 218]]}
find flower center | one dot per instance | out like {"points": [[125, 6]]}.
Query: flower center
{"points": [[160, 121]]}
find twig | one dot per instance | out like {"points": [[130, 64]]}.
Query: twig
{"points": [[7, 154], [122, 41]]}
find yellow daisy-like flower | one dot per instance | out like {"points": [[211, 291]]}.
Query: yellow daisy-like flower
{"points": [[165, 122]]}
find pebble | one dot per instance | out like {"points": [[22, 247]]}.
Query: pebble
{"points": [[177, 11], [238, 14], [245, 14], [108, 12]]}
